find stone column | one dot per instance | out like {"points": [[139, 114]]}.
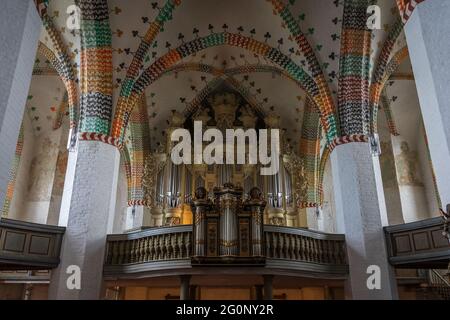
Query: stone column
{"points": [[185, 281], [20, 27], [361, 214], [427, 34], [268, 287], [90, 215]]}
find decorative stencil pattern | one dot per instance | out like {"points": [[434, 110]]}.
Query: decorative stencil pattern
{"points": [[317, 65], [12, 175], [407, 7], [96, 67], [354, 69], [310, 151]]}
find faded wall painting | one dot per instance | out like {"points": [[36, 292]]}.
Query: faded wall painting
{"points": [[407, 167], [387, 164], [42, 172], [60, 174]]}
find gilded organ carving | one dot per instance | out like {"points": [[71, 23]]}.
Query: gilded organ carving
{"points": [[295, 165], [225, 106], [152, 166]]}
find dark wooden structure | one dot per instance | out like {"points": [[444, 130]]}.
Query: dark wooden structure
{"points": [[28, 246], [418, 244]]}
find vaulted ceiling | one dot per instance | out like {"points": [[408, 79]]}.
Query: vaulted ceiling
{"points": [[321, 21]]}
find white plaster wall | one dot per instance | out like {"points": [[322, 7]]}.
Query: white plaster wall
{"points": [[59, 176], [388, 173], [418, 201], [430, 189], [327, 217], [40, 177], [90, 219], [427, 36], [18, 202], [32, 200], [413, 198], [20, 26], [361, 215], [121, 202], [312, 219]]}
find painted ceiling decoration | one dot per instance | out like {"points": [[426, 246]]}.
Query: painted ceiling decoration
{"points": [[62, 61], [138, 62], [46, 104], [172, 57], [407, 7], [45, 66], [140, 150], [386, 106], [62, 112], [354, 77], [155, 27], [95, 67], [165, 12], [326, 104], [378, 86], [310, 153], [45, 61], [125, 161], [379, 75], [244, 87], [13, 174]]}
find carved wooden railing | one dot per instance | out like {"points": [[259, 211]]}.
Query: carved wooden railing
{"points": [[418, 244], [305, 249], [164, 248], [27, 246], [439, 284], [162, 244]]}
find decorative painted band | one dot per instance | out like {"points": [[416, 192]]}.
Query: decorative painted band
{"points": [[348, 139], [132, 203], [304, 205], [407, 7], [93, 136]]}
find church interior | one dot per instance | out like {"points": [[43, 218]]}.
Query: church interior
{"points": [[93, 206]]}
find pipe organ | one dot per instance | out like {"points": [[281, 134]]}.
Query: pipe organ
{"points": [[227, 226], [174, 185]]}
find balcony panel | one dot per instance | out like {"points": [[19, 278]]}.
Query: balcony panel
{"points": [[28, 246], [418, 244]]}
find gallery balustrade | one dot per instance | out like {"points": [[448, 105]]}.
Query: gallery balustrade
{"points": [[226, 230]]}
